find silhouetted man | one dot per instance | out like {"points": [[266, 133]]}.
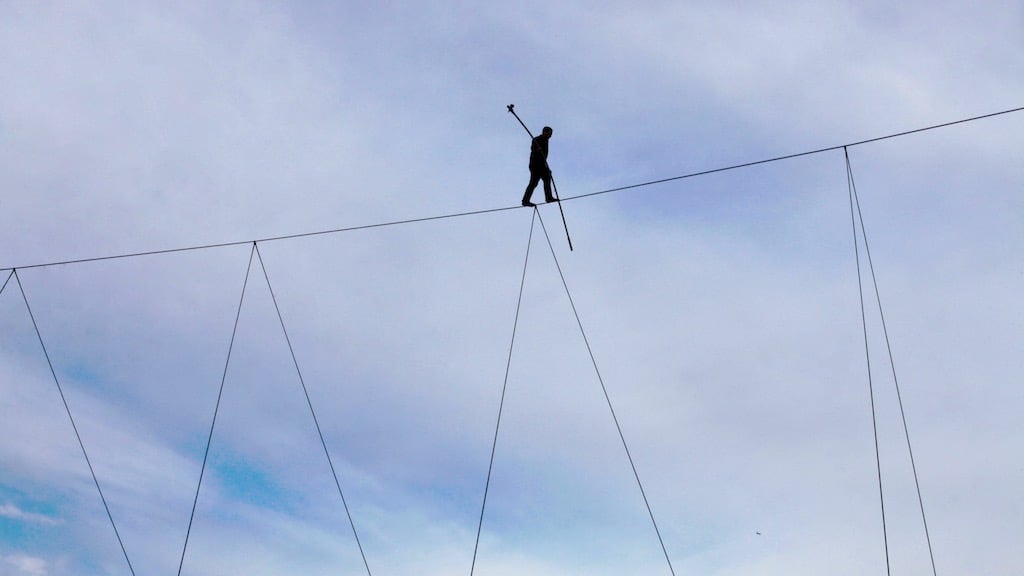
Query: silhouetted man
{"points": [[539, 167]]}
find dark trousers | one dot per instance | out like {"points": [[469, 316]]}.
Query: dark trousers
{"points": [[535, 177]]}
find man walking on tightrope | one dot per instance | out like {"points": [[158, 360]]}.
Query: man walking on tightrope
{"points": [[539, 167]]}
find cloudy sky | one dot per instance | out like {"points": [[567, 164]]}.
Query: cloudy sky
{"points": [[722, 310]]}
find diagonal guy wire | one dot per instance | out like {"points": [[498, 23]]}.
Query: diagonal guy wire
{"points": [[607, 397], [867, 357], [892, 363], [6, 281], [316, 422], [216, 409], [67, 408], [504, 387]]}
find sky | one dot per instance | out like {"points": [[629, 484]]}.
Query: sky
{"points": [[722, 312]]}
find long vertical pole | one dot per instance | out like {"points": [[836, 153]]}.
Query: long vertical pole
{"points": [[511, 108]]}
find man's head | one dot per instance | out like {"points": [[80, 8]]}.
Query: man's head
{"points": [[547, 131]]}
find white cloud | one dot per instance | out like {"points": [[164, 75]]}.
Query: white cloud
{"points": [[13, 512], [22, 565]]}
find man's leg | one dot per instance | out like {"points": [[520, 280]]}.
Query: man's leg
{"points": [[548, 197], [534, 179]]}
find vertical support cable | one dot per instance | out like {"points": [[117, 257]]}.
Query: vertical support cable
{"points": [[309, 402], [504, 387], [607, 398], [892, 365], [216, 409], [67, 408], [867, 356]]}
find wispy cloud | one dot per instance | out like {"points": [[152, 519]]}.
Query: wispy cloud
{"points": [[13, 512], [22, 565]]}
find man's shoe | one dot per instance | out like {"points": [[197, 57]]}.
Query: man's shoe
{"points": [[528, 203], [551, 199]]}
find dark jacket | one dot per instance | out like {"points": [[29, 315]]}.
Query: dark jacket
{"points": [[539, 154]]}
